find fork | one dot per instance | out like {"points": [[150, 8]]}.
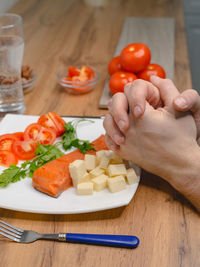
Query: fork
{"points": [[26, 236]]}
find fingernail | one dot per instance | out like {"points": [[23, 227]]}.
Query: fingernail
{"points": [[181, 102], [137, 111], [121, 124], [118, 139]]}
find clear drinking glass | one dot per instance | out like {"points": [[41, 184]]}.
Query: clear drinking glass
{"points": [[11, 55]]}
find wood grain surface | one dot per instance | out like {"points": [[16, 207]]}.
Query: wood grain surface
{"points": [[59, 33], [157, 33]]}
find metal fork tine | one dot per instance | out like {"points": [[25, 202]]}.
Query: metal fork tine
{"points": [[10, 237], [9, 232], [17, 229]]}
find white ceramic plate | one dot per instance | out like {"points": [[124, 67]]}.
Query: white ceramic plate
{"points": [[21, 196]]}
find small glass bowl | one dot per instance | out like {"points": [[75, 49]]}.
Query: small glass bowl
{"points": [[76, 87], [28, 85]]}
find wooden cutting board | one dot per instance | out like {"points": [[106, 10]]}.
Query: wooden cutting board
{"points": [[157, 33]]}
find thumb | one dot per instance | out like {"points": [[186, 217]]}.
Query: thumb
{"points": [[168, 91]]}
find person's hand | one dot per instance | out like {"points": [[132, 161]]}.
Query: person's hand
{"points": [[163, 142], [141, 92]]}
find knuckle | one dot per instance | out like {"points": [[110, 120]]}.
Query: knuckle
{"points": [[167, 82]]}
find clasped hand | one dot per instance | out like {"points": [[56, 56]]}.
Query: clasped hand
{"points": [[156, 136]]}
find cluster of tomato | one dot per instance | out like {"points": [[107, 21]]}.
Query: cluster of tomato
{"points": [[133, 63], [79, 76], [22, 145]]}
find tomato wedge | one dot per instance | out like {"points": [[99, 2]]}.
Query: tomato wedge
{"points": [[39, 134], [52, 121], [7, 158], [72, 71], [24, 150], [6, 141]]}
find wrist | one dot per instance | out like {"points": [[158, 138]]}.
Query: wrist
{"points": [[187, 178]]}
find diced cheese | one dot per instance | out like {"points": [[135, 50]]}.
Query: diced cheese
{"points": [[100, 182], [115, 159], [99, 155], [85, 178], [77, 170], [85, 188], [116, 169], [90, 162], [96, 172], [131, 176], [116, 184], [104, 161]]}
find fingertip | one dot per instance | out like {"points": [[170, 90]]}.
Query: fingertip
{"points": [[180, 102], [123, 125], [137, 111]]}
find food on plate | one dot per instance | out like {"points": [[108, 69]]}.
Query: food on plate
{"points": [[24, 150], [151, 69], [85, 188], [6, 141], [40, 134], [116, 184], [109, 172], [19, 135], [44, 153], [119, 79], [114, 65], [52, 121], [135, 59], [7, 158], [54, 177]]}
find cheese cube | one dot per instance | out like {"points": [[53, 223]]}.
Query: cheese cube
{"points": [[116, 184], [100, 182], [115, 159], [131, 176], [85, 178], [99, 155], [77, 170], [85, 188], [116, 169], [96, 172], [90, 162], [104, 161]]}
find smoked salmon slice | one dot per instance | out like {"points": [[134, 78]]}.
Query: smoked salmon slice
{"points": [[53, 178]]}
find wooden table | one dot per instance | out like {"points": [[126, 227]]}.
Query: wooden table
{"points": [[64, 32]]}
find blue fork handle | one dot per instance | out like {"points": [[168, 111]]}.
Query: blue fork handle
{"points": [[125, 241]]}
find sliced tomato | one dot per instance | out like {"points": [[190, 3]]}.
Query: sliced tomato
{"points": [[19, 135], [7, 158], [40, 134], [32, 131], [46, 136], [87, 71], [72, 71], [24, 150], [52, 121], [6, 141]]}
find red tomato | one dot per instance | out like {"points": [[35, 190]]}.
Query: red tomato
{"points": [[6, 141], [24, 150], [87, 71], [114, 65], [44, 136], [119, 79], [135, 57], [19, 135], [52, 121], [72, 71], [7, 158], [151, 69]]}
